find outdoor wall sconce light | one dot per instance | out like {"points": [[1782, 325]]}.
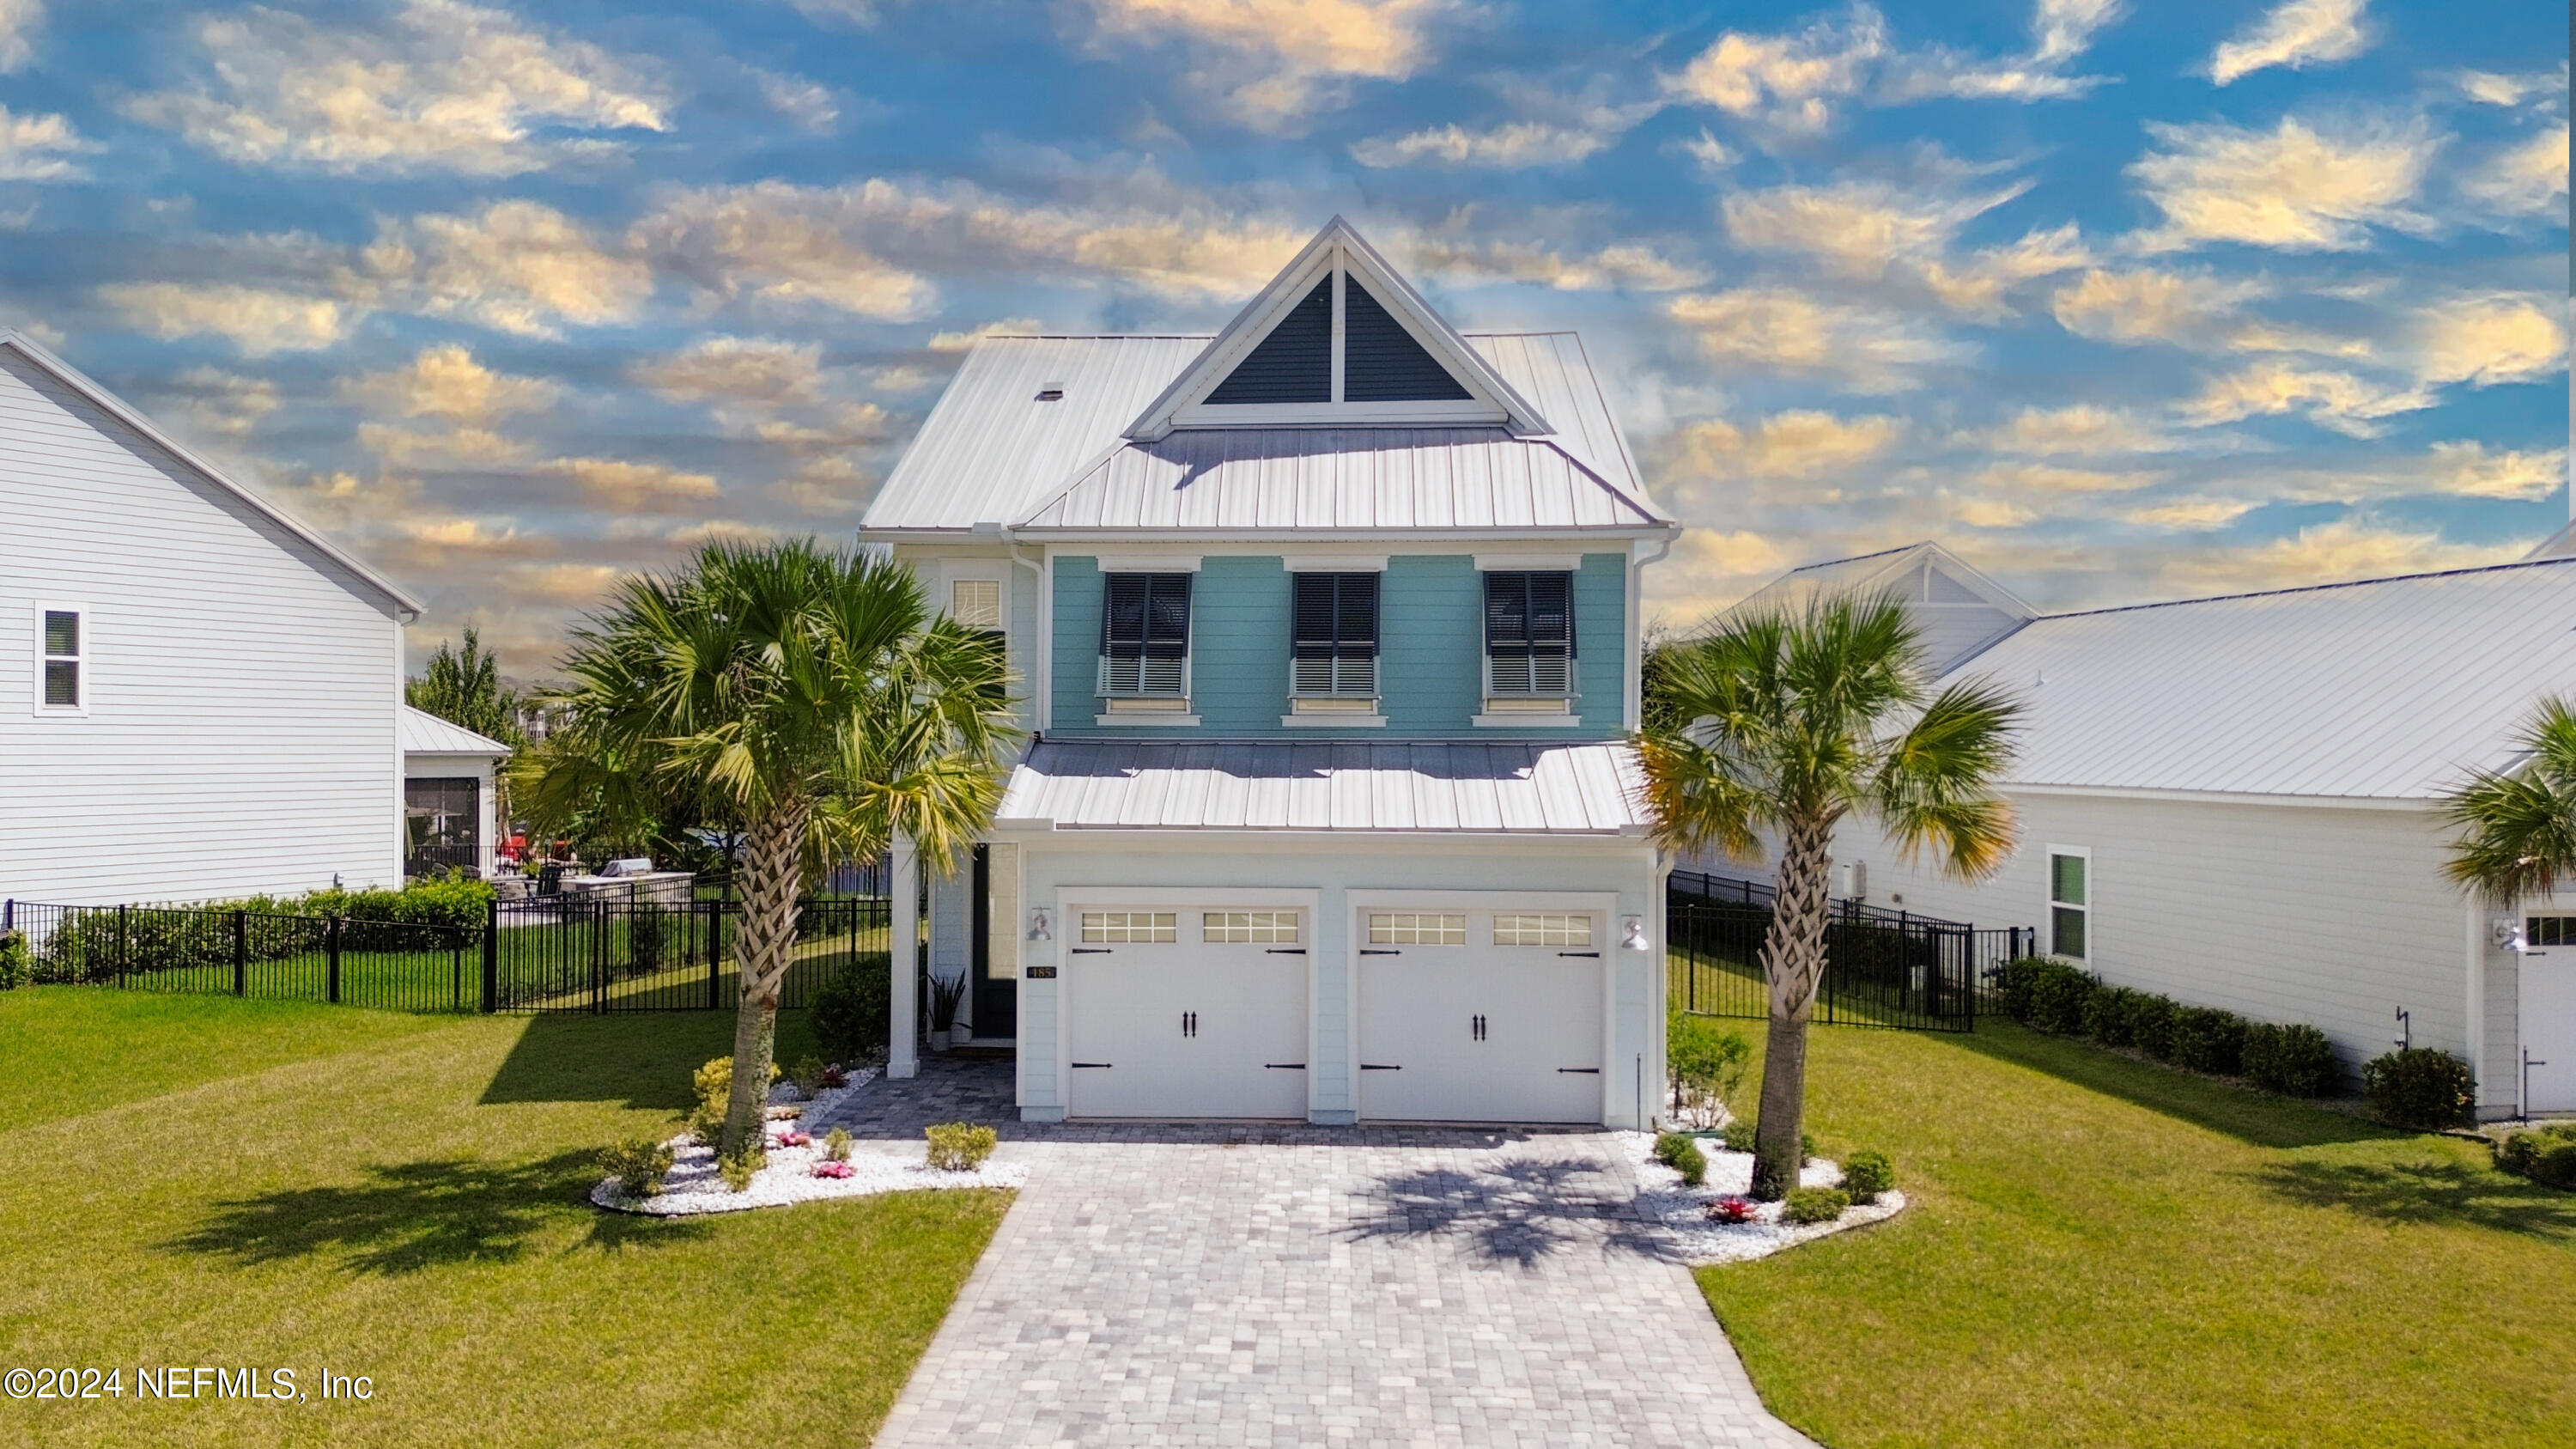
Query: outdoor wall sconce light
{"points": [[1038, 927], [1633, 932]]}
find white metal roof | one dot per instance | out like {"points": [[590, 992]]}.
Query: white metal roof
{"points": [[1336, 478], [117, 408], [423, 733], [2381, 689], [1564, 789], [990, 452], [1957, 611]]}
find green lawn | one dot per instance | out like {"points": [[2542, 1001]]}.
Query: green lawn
{"points": [[199, 1181], [2106, 1252]]}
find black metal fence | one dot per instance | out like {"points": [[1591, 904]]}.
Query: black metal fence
{"points": [[1882, 968], [544, 955]]}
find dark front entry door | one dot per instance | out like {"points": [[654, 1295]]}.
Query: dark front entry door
{"points": [[997, 1003]]}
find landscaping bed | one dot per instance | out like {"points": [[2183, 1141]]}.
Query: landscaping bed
{"points": [[1694, 1215]]}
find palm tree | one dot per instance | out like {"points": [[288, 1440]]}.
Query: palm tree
{"points": [[1781, 725], [2518, 827], [812, 698]]}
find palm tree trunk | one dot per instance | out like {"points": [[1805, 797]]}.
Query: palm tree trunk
{"points": [[1793, 956], [767, 945]]}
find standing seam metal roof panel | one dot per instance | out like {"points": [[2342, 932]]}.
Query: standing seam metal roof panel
{"points": [[1589, 788]]}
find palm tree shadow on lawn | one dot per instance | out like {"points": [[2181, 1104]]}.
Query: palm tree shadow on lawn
{"points": [[414, 1216]]}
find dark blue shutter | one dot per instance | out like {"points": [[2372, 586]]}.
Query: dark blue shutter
{"points": [[1294, 364], [1380, 360], [1334, 623], [1529, 632], [1144, 633]]}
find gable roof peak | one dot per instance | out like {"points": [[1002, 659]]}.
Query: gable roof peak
{"points": [[1297, 333]]}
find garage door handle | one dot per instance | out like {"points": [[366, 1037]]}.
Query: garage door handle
{"points": [[1365, 951], [1091, 950], [1285, 1066], [1582, 1071], [1595, 955], [1377, 1067], [1285, 951], [1091, 1064]]}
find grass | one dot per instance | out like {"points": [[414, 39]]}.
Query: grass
{"points": [[2106, 1252], [197, 1181]]}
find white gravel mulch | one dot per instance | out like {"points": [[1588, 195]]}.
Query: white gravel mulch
{"points": [[695, 1186], [1684, 1210]]}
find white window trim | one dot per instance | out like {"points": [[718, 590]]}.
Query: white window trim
{"points": [[1529, 563], [1336, 563], [1531, 721], [998, 573], [1146, 563], [2051, 905], [87, 658], [1332, 720]]}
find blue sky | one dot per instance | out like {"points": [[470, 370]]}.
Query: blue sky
{"points": [[2120, 301]]}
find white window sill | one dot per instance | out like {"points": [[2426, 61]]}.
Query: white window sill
{"points": [[1329, 720], [1144, 717], [1531, 721]]}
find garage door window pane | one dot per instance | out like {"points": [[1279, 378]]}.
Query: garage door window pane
{"points": [[2549, 931], [1250, 928], [1417, 928], [1551, 930], [1133, 928]]}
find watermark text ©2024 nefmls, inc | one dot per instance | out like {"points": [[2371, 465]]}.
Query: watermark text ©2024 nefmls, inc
{"points": [[276, 1385]]}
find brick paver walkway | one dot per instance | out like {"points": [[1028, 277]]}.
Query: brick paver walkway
{"points": [[1291, 1285]]}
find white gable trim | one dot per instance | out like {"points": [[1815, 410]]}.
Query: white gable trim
{"points": [[1337, 250], [115, 407]]}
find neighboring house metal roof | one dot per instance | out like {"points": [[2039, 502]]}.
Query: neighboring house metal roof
{"points": [[117, 408], [2380, 689], [423, 733], [1512, 789], [1957, 610]]}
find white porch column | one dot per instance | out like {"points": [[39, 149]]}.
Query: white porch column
{"points": [[903, 1050]]}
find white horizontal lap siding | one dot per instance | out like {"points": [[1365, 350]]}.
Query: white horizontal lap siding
{"points": [[241, 693], [2332, 917]]}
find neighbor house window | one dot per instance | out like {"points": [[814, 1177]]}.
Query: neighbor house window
{"points": [[1529, 638], [1249, 928], [976, 603], [1334, 648], [1417, 928], [1546, 930], [1145, 637], [444, 821], [62, 659], [2070, 902], [1130, 928]]}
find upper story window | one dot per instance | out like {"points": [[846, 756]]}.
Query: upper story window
{"points": [[1145, 639], [1334, 650], [63, 688], [1529, 639]]}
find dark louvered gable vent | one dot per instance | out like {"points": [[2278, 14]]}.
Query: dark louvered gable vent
{"points": [[1380, 360], [1294, 364]]}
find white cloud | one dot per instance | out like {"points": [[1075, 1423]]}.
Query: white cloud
{"points": [[1508, 147], [2080, 430], [2465, 467], [446, 382], [1788, 82], [224, 404], [1708, 569], [2296, 187], [2298, 33], [39, 148], [2063, 29], [2326, 553], [633, 487], [2523, 179], [1708, 151], [1006, 327], [1870, 231], [19, 22], [2494, 338], [1796, 445], [2493, 89], [1867, 350], [1454, 255], [809, 104], [2342, 401], [1271, 63], [447, 87], [2189, 515], [2146, 305], [518, 266], [258, 320], [2050, 480]]}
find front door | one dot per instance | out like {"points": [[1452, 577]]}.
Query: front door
{"points": [[997, 998]]}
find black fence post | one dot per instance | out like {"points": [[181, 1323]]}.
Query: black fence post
{"points": [[715, 950], [491, 956], [241, 953], [124, 947], [331, 950], [599, 956]]}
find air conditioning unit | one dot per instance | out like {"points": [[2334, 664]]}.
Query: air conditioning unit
{"points": [[1854, 880]]}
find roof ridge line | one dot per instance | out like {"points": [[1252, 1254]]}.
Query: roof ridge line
{"points": [[2311, 588]]}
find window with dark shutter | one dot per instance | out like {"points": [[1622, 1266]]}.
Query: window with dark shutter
{"points": [[1145, 635], [1335, 640], [1529, 633]]}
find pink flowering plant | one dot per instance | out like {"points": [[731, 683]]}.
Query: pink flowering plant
{"points": [[794, 1139], [1731, 1209], [834, 1169]]}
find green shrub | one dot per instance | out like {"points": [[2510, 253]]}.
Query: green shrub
{"points": [[852, 1008], [960, 1146], [15, 970], [2418, 1087], [2108, 1014], [2047, 993], [1737, 1135], [2555, 1166], [1814, 1204], [1866, 1174], [2151, 1023], [1691, 1163], [807, 1074], [638, 1164], [836, 1147], [1669, 1145], [1706, 1063], [2295, 1061], [713, 1086], [737, 1170], [2207, 1039], [648, 933]]}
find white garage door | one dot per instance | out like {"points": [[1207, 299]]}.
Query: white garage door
{"points": [[1480, 1015], [2548, 1012], [1187, 1012]]}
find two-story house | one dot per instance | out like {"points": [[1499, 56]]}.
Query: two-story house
{"points": [[1327, 628]]}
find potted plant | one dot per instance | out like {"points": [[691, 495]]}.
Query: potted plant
{"points": [[945, 995]]}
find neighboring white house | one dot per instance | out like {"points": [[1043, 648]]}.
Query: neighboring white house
{"points": [[204, 696], [1328, 633], [448, 810], [2235, 801]]}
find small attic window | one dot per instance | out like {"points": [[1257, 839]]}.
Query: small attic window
{"points": [[1051, 392]]}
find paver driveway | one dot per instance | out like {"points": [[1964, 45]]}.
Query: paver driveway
{"points": [[1252, 1285]]}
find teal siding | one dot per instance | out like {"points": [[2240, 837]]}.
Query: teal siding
{"points": [[1431, 651]]}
